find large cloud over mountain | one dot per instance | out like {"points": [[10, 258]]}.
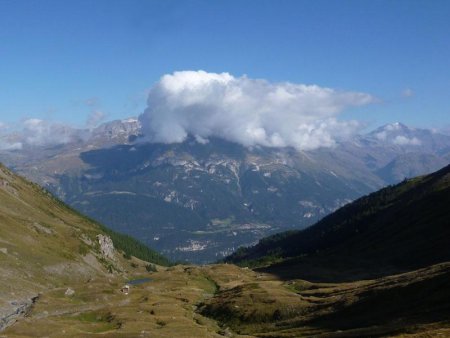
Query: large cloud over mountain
{"points": [[247, 111]]}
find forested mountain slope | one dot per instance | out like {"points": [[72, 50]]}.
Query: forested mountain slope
{"points": [[398, 228]]}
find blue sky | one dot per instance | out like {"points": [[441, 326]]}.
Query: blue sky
{"points": [[61, 60]]}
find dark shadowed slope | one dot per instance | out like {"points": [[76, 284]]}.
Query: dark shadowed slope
{"points": [[413, 304], [398, 228]]}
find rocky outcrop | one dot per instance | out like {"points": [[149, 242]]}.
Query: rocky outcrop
{"points": [[106, 246], [16, 310], [69, 292]]}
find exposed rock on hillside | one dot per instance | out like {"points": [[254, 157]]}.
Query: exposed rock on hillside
{"points": [[16, 309], [106, 246]]}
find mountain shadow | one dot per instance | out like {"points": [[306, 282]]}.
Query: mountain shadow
{"points": [[399, 228]]}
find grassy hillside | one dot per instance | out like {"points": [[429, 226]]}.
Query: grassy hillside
{"points": [[125, 243], [45, 244], [40, 198], [57, 282], [402, 305], [398, 228]]}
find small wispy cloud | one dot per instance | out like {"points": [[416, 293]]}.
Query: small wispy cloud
{"points": [[96, 115], [94, 119], [406, 141], [9, 146], [407, 92], [93, 102], [8, 141], [37, 132]]}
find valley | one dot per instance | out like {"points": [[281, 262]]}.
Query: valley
{"points": [[224, 169], [200, 201], [65, 275], [228, 301]]}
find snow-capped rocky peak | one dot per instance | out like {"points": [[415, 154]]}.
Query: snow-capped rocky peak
{"points": [[118, 129]]}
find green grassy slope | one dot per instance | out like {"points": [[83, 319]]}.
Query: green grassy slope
{"points": [[125, 243], [398, 228], [34, 198], [45, 244]]}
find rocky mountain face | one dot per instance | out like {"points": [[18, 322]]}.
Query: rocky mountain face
{"points": [[202, 200], [116, 132], [394, 152]]}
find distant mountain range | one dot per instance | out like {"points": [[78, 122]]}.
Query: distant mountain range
{"points": [[200, 201]]}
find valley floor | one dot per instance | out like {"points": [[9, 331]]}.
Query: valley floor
{"points": [[225, 300]]}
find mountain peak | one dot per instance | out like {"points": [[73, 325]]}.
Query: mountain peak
{"points": [[396, 126], [400, 134]]}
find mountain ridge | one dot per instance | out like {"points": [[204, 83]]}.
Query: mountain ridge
{"points": [[228, 195]]}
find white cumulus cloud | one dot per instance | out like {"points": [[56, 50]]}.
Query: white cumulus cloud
{"points": [[247, 111]]}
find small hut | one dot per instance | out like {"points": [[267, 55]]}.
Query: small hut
{"points": [[125, 289]]}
